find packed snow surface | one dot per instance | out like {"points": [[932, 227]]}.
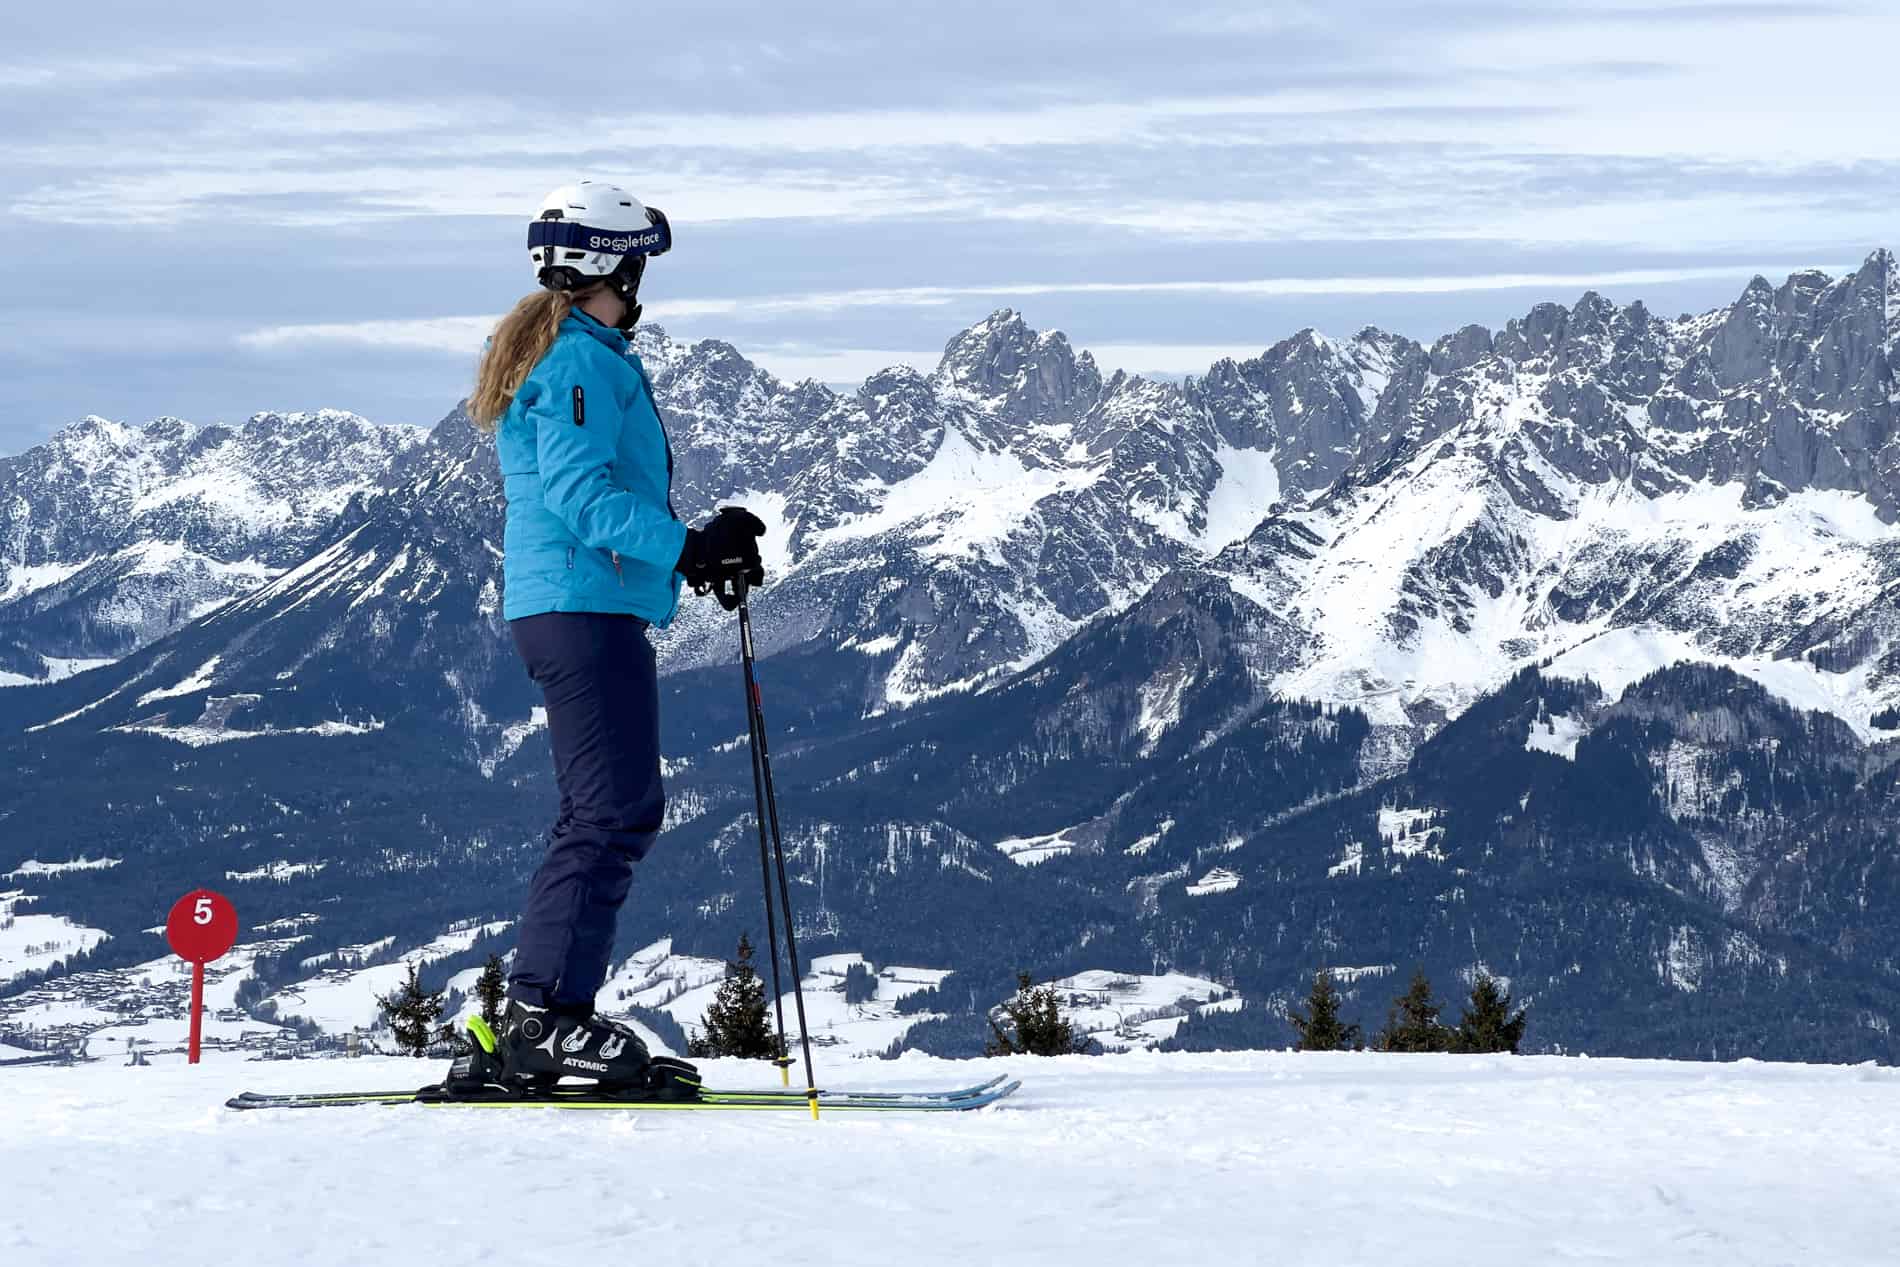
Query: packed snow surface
{"points": [[1140, 1158]]}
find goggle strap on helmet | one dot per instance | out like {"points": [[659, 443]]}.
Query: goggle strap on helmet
{"points": [[571, 235]]}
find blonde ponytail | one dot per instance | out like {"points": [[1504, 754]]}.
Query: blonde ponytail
{"points": [[521, 339]]}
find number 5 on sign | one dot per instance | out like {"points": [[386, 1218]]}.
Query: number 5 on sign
{"points": [[202, 926]]}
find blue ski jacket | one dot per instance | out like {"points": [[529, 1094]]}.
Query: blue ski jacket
{"points": [[588, 475]]}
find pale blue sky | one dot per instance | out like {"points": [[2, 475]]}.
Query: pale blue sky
{"points": [[209, 210]]}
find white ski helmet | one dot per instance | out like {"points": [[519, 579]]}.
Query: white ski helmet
{"points": [[595, 232]]}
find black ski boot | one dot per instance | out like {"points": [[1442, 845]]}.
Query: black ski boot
{"points": [[537, 1047]]}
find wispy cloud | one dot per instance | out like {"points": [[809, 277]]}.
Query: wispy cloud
{"points": [[451, 335], [121, 71], [840, 367], [843, 179], [1279, 287], [461, 335]]}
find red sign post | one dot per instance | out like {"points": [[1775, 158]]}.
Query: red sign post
{"points": [[202, 926]]}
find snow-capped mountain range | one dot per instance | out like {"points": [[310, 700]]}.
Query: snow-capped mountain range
{"points": [[1594, 486], [111, 536], [1141, 664]]}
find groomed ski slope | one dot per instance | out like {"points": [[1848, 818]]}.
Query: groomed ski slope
{"points": [[1140, 1159]]}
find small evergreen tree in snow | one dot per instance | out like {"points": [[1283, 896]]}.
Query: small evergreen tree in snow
{"points": [[1319, 1026], [491, 988], [1412, 1023], [860, 984], [735, 1023], [412, 1013], [1035, 1025], [1487, 1024]]}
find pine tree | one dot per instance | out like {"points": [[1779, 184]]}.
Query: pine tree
{"points": [[1319, 1026], [491, 988], [735, 1023], [860, 984], [412, 1013], [1037, 1026], [1487, 1024], [1412, 1023]]}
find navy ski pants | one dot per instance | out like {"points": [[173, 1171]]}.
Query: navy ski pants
{"points": [[603, 700]]}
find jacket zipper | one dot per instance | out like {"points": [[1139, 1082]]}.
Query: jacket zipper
{"points": [[617, 571]]}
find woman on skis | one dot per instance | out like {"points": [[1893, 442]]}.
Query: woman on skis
{"points": [[593, 554]]}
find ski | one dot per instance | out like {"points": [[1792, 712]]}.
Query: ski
{"points": [[959, 1101], [256, 1099]]}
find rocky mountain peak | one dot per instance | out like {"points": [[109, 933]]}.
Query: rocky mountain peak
{"points": [[1310, 398], [1460, 350], [655, 348], [714, 401], [894, 382], [1884, 259], [1759, 294], [1005, 367], [1534, 336]]}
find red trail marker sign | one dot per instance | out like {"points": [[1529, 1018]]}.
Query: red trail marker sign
{"points": [[201, 927]]}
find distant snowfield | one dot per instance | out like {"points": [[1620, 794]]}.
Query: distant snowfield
{"points": [[34, 867], [1122, 1011], [1163, 1160], [965, 501], [57, 669], [1811, 554], [342, 999], [32, 943], [144, 1004], [683, 987], [1027, 851]]}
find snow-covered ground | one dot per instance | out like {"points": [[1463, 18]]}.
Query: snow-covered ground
{"points": [[683, 986], [1119, 1010], [1140, 1158], [144, 1006], [30, 942], [1027, 851], [1126, 1010], [342, 999]]}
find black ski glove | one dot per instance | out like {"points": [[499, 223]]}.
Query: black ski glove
{"points": [[720, 552]]}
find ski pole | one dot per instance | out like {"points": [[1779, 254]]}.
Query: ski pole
{"points": [[755, 739], [767, 795]]}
